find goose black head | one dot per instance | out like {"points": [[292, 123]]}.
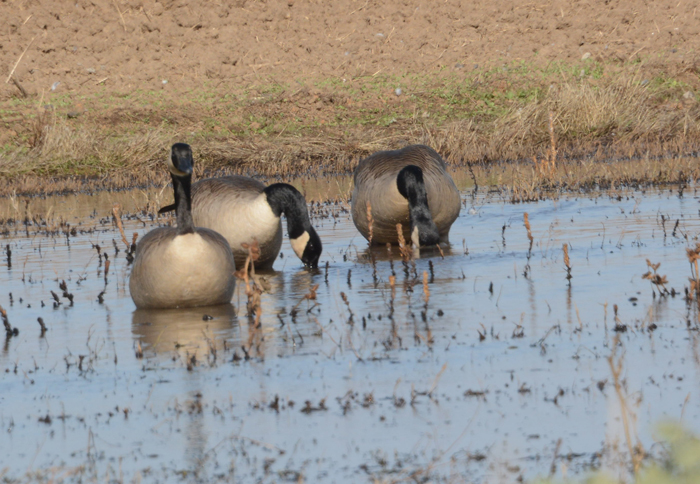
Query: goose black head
{"points": [[284, 198], [411, 186], [181, 163], [308, 247]]}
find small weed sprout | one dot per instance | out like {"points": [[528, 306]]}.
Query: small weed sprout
{"points": [[567, 263], [657, 279], [253, 291]]}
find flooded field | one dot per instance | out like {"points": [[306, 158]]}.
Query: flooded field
{"points": [[484, 364]]}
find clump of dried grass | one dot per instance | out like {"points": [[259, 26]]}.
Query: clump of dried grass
{"points": [[547, 166], [621, 121], [575, 124], [59, 148]]}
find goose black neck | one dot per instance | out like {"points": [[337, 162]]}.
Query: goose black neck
{"points": [[183, 204], [284, 198], [411, 186]]}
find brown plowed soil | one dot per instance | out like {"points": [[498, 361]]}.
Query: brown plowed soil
{"points": [[125, 45]]}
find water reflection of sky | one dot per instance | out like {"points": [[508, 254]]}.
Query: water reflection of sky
{"points": [[386, 394]]}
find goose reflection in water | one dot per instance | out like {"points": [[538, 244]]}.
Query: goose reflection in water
{"points": [[183, 333], [187, 331]]}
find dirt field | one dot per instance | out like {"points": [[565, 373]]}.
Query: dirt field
{"points": [[249, 79], [136, 45]]}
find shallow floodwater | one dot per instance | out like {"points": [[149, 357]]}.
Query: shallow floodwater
{"points": [[503, 373]]}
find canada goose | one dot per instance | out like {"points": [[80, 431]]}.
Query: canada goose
{"points": [[409, 186], [186, 266], [242, 209]]}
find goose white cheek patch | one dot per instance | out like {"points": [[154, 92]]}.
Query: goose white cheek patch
{"points": [[299, 244], [415, 238], [174, 170]]}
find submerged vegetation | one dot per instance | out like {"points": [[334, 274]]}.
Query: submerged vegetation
{"points": [[679, 464], [644, 119]]}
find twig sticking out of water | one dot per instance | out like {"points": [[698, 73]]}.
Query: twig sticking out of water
{"points": [[424, 313], [253, 291], [437, 380], [567, 263], [191, 360], [553, 467], [476, 185], [403, 248], [394, 330], [130, 249], [370, 222], [64, 287], [663, 225], [636, 451], [9, 330], [310, 296], [675, 227], [442, 254], [42, 325], [344, 297], [56, 300], [392, 285], [116, 212], [99, 254], [693, 256], [407, 256], [656, 279], [526, 221], [426, 289], [372, 261], [106, 268], [139, 350], [8, 251]]}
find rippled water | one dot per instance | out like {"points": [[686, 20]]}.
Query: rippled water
{"points": [[486, 382]]}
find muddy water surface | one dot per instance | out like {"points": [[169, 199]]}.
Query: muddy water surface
{"points": [[503, 373]]}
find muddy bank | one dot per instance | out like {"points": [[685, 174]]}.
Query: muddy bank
{"points": [[305, 93]]}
